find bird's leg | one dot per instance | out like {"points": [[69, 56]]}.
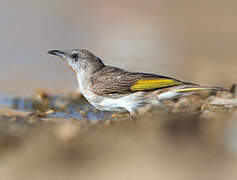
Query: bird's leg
{"points": [[133, 113]]}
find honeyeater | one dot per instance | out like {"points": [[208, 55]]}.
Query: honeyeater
{"points": [[113, 89]]}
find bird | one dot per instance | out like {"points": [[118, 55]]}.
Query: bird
{"points": [[117, 90]]}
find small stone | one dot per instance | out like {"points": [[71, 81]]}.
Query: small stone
{"points": [[117, 115]]}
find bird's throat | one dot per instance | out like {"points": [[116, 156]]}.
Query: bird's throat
{"points": [[83, 82]]}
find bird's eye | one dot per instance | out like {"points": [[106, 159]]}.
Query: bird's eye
{"points": [[75, 57]]}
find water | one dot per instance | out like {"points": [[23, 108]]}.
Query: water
{"points": [[6, 100], [64, 107]]}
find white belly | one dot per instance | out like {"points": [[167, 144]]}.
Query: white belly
{"points": [[127, 103], [122, 104], [108, 104], [117, 105]]}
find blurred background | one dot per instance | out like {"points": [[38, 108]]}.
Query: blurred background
{"points": [[190, 40]]}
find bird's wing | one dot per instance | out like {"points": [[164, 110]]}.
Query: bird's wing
{"points": [[112, 80]]}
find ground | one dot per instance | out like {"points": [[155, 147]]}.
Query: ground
{"points": [[65, 138]]}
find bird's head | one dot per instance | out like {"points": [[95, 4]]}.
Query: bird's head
{"points": [[80, 60]]}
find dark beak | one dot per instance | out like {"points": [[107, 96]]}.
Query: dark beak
{"points": [[59, 53]]}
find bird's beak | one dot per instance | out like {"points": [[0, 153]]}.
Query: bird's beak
{"points": [[59, 53]]}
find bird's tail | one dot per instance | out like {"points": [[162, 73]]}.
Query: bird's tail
{"points": [[200, 88], [187, 90]]}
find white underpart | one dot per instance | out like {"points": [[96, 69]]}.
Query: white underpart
{"points": [[118, 104], [129, 103]]}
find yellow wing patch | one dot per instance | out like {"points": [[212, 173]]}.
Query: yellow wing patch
{"points": [[149, 84]]}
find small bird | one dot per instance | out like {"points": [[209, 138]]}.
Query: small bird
{"points": [[113, 89]]}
